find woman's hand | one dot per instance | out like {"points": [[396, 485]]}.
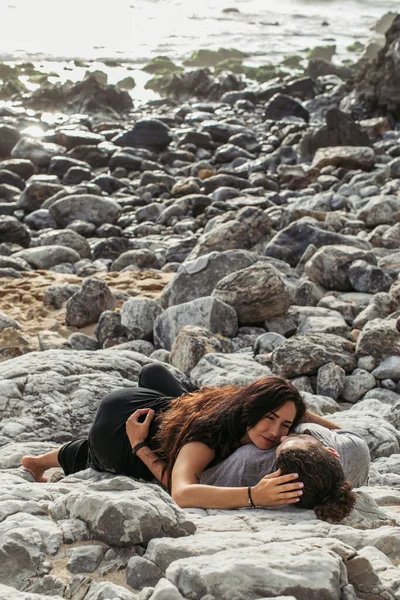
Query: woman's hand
{"points": [[276, 489], [135, 430]]}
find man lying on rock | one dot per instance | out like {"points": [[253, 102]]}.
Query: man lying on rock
{"points": [[161, 429]]}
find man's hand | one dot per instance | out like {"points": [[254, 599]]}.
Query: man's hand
{"points": [[135, 430]]}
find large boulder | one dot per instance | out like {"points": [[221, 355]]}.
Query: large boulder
{"points": [[330, 265], [86, 306], [46, 257], [198, 278], [379, 338], [257, 293], [340, 130], [305, 354], [206, 312], [247, 227], [377, 88], [85, 207]]}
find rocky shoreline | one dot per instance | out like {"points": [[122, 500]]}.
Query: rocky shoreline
{"points": [[231, 230]]}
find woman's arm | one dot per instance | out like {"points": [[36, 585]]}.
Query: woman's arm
{"points": [[137, 432], [311, 417], [272, 490]]}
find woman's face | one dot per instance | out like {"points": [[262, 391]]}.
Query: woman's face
{"points": [[268, 431]]}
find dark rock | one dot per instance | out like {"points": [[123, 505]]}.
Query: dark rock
{"points": [[81, 341], [93, 155], [76, 175], [12, 230], [35, 194], [281, 106], [59, 165], [9, 136], [147, 133], [40, 219], [56, 295], [112, 248], [290, 243], [340, 130], [73, 138], [22, 167], [11, 179], [377, 87], [318, 67], [86, 306]]}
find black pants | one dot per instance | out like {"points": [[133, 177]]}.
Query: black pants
{"points": [[107, 448]]}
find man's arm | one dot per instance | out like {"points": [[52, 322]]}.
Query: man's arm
{"points": [[311, 417]]}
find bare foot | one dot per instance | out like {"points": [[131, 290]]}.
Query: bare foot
{"points": [[32, 464]]}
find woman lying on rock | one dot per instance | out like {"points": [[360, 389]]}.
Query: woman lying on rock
{"points": [[160, 430]]}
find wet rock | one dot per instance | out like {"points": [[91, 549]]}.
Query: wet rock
{"points": [[9, 136], [88, 207], [23, 167], [281, 106], [303, 355], [257, 292], [207, 312], [86, 306], [147, 133], [39, 153]]}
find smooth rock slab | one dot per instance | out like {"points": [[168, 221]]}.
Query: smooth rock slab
{"points": [[303, 355], [278, 568], [348, 157], [388, 369]]}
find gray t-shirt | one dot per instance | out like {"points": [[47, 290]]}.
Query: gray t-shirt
{"points": [[247, 465]]}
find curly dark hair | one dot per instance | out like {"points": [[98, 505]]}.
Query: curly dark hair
{"points": [[325, 488], [220, 417]]}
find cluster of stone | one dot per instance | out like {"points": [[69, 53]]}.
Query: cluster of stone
{"points": [[276, 217]]}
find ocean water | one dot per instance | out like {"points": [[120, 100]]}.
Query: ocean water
{"points": [[52, 34], [136, 30]]}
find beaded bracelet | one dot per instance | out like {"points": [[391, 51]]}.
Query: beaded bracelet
{"points": [[250, 499]]}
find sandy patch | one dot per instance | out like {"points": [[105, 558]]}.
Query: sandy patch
{"points": [[22, 299]]}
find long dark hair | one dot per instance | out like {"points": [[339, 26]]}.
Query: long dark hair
{"points": [[325, 488], [220, 417]]}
